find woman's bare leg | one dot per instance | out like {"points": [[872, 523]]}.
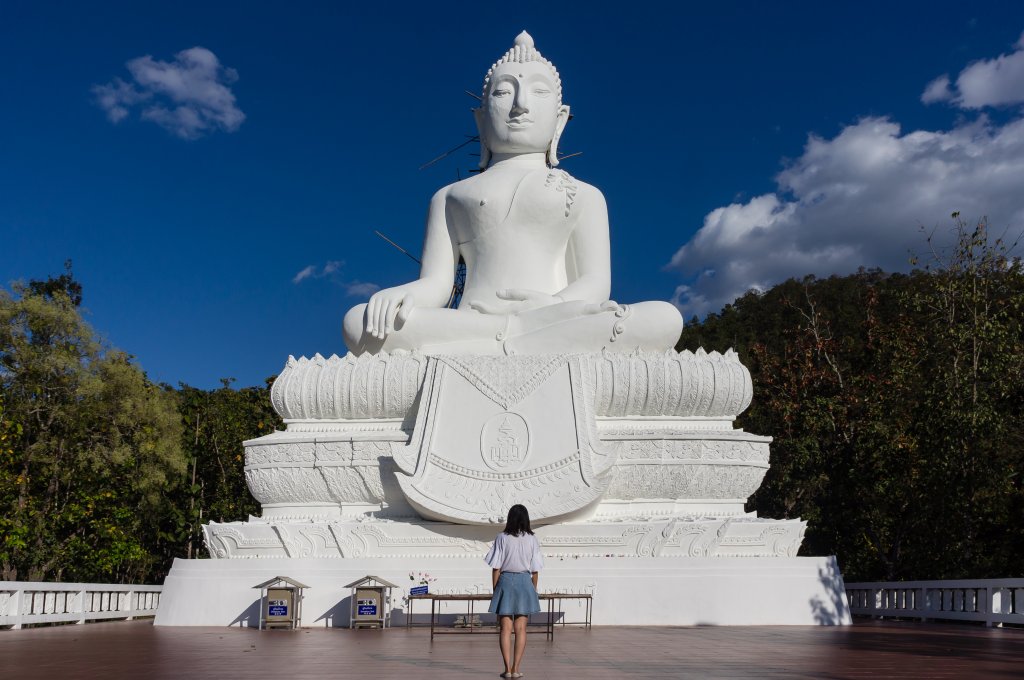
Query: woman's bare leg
{"points": [[520, 628], [505, 641]]}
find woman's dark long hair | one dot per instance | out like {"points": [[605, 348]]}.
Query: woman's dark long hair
{"points": [[518, 522]]}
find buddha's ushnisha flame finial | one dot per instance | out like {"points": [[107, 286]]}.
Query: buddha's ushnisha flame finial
{"points": [[524, 39], [523, 51]]}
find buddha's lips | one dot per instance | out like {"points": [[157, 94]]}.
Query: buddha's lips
{"points": [[519, 123]]}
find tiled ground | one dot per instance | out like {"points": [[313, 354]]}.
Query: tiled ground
{"points": [[867, 650]]}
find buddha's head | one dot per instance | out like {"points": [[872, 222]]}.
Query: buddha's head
{"points": [[521, 109]]}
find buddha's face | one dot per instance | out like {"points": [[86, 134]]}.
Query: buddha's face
{"points": [[520, 112]]}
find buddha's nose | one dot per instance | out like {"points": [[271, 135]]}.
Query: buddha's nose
{"points": [[521, 103]]}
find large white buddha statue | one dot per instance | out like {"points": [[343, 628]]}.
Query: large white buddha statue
{"points": [[537, 390], [534, 239]]}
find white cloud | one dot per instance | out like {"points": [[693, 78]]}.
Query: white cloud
{"points": [[857, 199], [361, 289], [189, 96], [314, 272], [989, 82], [304, 274], [116, 97], [937, 90]]}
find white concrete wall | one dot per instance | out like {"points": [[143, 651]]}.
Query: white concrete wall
{"points": [[626, 591]]}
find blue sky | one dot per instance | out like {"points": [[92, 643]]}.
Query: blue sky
{"points": [[737, 144]]}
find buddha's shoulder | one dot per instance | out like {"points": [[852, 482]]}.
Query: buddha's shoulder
{"points": [[560, 177], [441, 194], [585, 194], [456, 187]]}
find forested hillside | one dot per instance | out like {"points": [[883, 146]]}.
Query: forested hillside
{"points": [[895, 400]]}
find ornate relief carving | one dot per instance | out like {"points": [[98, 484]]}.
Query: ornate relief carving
{"points": [[684, 481], [341, 459], [688, 465], [351, 388], [505, 442], [384, 386], [463, 495], [285, 453], [505, 380], [392, 425], [682, 385], [560, 180], [300, 472], [452, 484], [622, 313], [288, 485], [360, 484], [689, 447], [237, 539], [694, 537], [377, 541]]}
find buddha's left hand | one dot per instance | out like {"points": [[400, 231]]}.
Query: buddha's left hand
{"points": [[514, 301]]}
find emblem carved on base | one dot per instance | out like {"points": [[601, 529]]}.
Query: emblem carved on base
{"points": [[505, 442], [451, 482]]}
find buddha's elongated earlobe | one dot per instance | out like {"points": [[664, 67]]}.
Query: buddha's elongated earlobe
{"points": [[563, 118], [485, 153]]}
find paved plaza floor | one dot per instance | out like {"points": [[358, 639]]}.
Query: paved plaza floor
{"points": [[137, 649]]}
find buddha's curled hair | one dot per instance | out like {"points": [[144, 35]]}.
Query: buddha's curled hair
{"points": [[522, 52]]}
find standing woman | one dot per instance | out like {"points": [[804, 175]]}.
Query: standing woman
{"points": [[515, 561]]}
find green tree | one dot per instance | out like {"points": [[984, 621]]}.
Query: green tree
{"points": [[972, 309], [10, 431], [96, 447], [215, 423]]}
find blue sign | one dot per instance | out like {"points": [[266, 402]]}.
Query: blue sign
{"points": [[278, 610], [419, 590], [367, 610]]}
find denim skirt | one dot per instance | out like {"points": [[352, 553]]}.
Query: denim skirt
{"points": [[514, 595]]}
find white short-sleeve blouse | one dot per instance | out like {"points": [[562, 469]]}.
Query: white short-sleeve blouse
{"points": [[515, 553]]}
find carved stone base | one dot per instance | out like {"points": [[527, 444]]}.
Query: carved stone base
{"points": [[461, 438], [652, 467], [643, 537], [677, 591]]}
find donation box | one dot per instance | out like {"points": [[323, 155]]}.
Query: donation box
{"points": [[369, 605], [371, 602], [281, 603], [280, 607]]}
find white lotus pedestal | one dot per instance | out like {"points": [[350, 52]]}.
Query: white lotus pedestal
{"points": [[629, 464]]}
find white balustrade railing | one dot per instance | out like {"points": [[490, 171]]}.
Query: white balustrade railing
{"points": [[991, 601], [27, 602]]}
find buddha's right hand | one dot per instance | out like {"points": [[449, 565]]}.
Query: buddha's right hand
{"points": [[384, 307]]}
